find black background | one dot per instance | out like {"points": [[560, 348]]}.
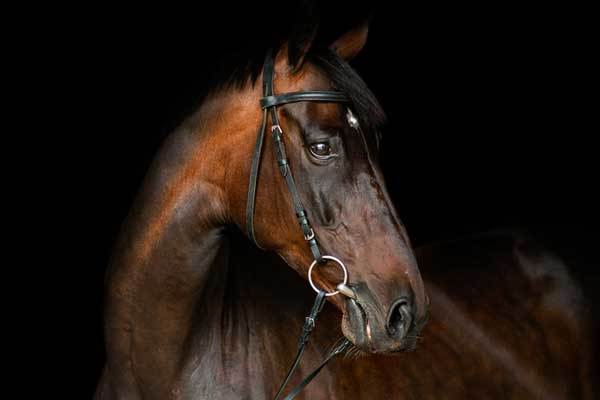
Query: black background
{"points": [[491, 122]]}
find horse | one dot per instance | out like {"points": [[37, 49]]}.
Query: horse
{"points": [[194, 311]]}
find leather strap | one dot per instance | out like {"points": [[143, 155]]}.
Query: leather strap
{"points": [[284, 168], [254, 180], [257, 156], [294, 97], [309, 325], [338, 349]]}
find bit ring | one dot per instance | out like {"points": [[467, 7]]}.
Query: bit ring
{"points": [[342, 266]]}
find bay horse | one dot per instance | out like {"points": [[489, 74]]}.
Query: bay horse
{"points": [[193, 311]]}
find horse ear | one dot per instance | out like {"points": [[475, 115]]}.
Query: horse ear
{"points": [[352, 42]]}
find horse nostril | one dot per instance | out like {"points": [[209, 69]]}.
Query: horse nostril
{"points": [[399, 318]]}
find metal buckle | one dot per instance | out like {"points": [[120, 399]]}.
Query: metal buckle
{"points": [[310, 236], [352, 120], [310, 321], [342, 266], [276, 127]]}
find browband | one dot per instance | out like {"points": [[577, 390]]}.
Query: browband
{"points": [[294, 97]]}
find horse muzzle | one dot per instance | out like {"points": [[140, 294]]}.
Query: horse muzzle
{"points": [[377, 329]]}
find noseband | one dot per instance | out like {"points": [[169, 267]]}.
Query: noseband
{"points": [[269, 104]]}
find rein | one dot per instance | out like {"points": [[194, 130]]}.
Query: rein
{"points": [[269, 104], [309, 324]]}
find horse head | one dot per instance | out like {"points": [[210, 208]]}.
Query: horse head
{"points": [[331, 150]]}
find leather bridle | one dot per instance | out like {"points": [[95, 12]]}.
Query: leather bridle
{"points": [[269, 104]]}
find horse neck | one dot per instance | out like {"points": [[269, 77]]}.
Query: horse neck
{"points": [[171, 254], [250, 337]]}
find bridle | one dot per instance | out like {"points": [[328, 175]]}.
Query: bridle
{"points": [[269, 104]]}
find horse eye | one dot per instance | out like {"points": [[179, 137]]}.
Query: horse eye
{"points": [[320, 150]]}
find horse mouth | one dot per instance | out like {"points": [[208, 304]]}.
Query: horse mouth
{"points": [[357, 328]]}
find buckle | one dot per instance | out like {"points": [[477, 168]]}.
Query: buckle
{"points": [[276, 127], [310, 236]]}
